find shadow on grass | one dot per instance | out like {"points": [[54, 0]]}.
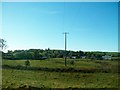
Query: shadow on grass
{"points": [[88, 70], [35, 88], [25, 88]]}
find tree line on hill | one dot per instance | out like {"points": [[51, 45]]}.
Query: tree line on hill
{"points": [[39, 54], [48, 53]]}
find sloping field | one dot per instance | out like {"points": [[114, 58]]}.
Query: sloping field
{"points": [[22, 77]]}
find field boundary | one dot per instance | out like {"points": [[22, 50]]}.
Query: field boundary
{"points": [[83, 70]]}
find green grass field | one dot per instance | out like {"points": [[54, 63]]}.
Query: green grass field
{"points": [[16, 78]]}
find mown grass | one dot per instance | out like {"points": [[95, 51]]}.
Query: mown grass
{"points": [[15, 78], [56, 63], [79, 64]]}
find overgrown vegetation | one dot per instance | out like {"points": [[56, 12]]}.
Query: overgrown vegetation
{"points": [[20, 78], [52, 73]]}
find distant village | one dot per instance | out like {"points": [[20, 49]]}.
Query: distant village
{"points": [[40, 54]]}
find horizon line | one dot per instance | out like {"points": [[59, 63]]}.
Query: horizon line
{"points": [[62, 49]]}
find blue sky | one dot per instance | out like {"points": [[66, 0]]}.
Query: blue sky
{"points": [[92, 26]]}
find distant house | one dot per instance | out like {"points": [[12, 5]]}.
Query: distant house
{"points": [[83, 57], [73, 57], [107, 57], [43, 58]]}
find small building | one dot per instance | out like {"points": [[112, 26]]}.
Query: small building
{"points": [[83, 57], [107, 57], [43, 58], [73, 57]]}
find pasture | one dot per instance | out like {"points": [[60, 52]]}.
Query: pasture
{"points": [[52, 73]]}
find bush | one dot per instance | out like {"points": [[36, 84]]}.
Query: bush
{"points": [[27, 63], [72, 62]]}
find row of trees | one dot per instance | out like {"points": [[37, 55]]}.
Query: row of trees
{"points": [[48, 53]]}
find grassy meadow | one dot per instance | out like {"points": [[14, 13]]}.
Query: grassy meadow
{"points": [[52, 73]]}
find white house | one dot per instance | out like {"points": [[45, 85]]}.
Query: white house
{"points": [[107, 57], [83, 57], [73, 57]]}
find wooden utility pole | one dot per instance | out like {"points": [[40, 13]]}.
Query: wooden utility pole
{"points": [[65, 55]]}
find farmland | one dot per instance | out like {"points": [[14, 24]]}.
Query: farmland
{"points": [[52, 73]]}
